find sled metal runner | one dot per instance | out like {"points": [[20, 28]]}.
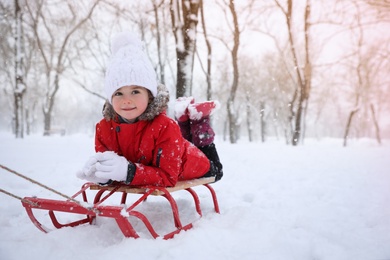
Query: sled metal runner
{"points": [[120, 213]]}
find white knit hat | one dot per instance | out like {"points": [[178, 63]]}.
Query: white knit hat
{"points": [[129, 65]]}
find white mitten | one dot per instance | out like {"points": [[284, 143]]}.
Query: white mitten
{"points": [[88, 171], [111, 166]]}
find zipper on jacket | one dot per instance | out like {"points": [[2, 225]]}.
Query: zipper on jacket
{"points": [[158, 157]]}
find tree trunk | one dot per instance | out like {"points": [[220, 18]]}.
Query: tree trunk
{"points": [[232, 122], [20, 87], [305, 82], [298, 122], [262, 122], [182, 88], [376, 125], [48, 108], [209, 53], [348, 127], [47, 123], [248, 118], [184, 17], [230, 104], [18, 115]]}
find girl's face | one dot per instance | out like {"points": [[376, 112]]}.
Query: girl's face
{"points": [[130, 101]]}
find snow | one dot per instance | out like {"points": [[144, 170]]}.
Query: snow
{"points": [[181, 106], [316, 201]]}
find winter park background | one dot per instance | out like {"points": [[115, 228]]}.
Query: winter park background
{"points": [[327, 197]]}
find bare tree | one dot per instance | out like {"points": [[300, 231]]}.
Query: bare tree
{"points": [[366, 79], [359, 83], [366, 72], [303, 70], [277, 95], [54, 55]]}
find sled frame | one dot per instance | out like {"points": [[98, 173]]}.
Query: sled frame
{"points": [[120, 213]]}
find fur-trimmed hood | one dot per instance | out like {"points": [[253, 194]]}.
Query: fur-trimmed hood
{"points": [[158, 105]]}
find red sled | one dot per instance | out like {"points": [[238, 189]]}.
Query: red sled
{"points": [[120, 213]]}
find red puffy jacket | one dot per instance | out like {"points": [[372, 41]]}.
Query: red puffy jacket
{"points": [[156, 147]]}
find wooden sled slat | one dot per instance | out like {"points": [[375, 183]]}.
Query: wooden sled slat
{"points": [[180, 185]]}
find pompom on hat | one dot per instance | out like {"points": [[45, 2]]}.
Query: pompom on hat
{"points": [[129, 65]]}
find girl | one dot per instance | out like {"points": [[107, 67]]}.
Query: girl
{"points": [[137, 143]]}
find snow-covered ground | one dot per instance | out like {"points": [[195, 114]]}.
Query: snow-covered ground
{"points": [[316, 201]]}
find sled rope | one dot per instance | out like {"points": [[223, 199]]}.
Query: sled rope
{"points": [[17, 197], [35, 182]]}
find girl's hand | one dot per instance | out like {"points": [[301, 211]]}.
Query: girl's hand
{"points": [[111, 166], [89, 170]]}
